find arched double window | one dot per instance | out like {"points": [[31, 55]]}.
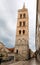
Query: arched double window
{"points": [[19, 31]]}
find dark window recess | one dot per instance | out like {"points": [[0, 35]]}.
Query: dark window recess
{"points": [[23, 31], [20, 23], [16, 51], [19, 31], [24, 23], [20, 15], [24, 15]]}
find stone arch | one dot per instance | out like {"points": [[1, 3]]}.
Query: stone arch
{"points": [[19, 41], [23, 41]]}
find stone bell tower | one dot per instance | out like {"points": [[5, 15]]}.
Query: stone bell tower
{"points": [[22, 34]]}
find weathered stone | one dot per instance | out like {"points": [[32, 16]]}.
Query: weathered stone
{"points": [[38, 32], [22, 35]]}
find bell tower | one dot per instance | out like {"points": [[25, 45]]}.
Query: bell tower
{"points": [[22, 34]]}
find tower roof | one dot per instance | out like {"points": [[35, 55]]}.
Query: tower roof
{"points": [[23, 9], [24, 5]]}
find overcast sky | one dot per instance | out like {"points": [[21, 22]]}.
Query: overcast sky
{"points": [[8, 21]]}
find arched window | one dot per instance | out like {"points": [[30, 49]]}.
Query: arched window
{"points": [[23, 31], [20, 15], [24, 15], [19, 31], [20, 23], [23, 23]]}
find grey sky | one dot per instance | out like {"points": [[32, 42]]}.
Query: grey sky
{"points": [[8, 20]]}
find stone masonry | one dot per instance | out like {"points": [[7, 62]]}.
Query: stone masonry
{"points": [[22, 35]]}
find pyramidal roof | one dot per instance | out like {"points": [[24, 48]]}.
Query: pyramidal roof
{"points": [[23, 9], [24, 5]]}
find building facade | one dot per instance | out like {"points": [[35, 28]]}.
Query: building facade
{"points": [[3, 51], [22, 35], [38, 26], [38, 31]]}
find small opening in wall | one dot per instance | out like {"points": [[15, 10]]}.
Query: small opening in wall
{"points": [[19, 31], [24, 23], [20, 23], [24, 15], [20, 15], [17, 51], [23, 31]]}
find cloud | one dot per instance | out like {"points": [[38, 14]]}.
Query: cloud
{"points": [[6, 35]]}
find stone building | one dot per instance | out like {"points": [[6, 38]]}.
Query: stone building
{"points": [[38, 31], [3, 51], [22, 35], [38, 26], [3, 48]]}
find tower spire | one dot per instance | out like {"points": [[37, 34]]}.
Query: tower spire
{"points": [[24, 5]]}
